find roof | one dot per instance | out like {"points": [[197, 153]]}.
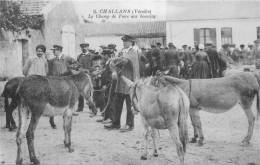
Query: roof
{"points": [[208, 10], [33, 7], [135, 29]]}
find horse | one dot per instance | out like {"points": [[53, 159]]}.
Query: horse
{"points": [[160, 108], [219, 95], [9, 92], [49, 96]]}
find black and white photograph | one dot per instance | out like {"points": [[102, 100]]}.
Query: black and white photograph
{"points": [[130, 82]]}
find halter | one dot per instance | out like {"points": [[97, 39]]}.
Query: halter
{"points": [[134, 96]]}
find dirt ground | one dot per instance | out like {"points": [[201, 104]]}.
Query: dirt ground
{"points": [[96, 146]]}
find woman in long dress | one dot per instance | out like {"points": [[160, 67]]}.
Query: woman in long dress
{"points": [[200, 68]]}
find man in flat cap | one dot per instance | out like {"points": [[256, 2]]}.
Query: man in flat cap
{"points": [[85, 61], [188, 58], [131, 71], [61, 64]]}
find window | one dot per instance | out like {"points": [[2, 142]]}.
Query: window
{"points": [[258, 32], [204, 35], [226, 35]]}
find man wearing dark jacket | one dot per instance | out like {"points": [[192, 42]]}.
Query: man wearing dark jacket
{"points": [[85, 61], [130, 70], [214, 61], [172, 60]]}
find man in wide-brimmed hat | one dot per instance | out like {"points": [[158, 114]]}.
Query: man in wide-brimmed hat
{"points": [[131, 71]]}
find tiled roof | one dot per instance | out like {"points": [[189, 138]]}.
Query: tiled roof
{"points": [[33, 7], [137, 29]]}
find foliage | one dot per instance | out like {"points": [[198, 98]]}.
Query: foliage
{"points": [[12, 19]]}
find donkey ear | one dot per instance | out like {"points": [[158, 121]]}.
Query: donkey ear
{"points": [[127, 81]]}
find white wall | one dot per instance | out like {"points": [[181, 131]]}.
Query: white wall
{"points": [[181, 32]]}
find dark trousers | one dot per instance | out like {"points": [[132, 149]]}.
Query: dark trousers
{"points": [[81, 103], [118, 107]]}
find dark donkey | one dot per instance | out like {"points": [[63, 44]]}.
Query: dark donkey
{"points": [[49, 96], [10, 93]]}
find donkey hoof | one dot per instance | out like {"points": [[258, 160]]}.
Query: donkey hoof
{"points": [[71, 150], [155, 154], [193, 140], [54, 127], [19, 162], [143, 157], [200, 143], [245, 143], [35, 161]]}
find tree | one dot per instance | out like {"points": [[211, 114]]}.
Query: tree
{"points": [[12, 19]]}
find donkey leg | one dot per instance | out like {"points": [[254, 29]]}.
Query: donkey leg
{"points": [[7, 116], [23, 125], [144, 155], [174, 132], [30, 138], [13, 105], [53, 125], [155, 153], [197, 125], [67, 122], [251, 120], [246, 104], [195, 129]]}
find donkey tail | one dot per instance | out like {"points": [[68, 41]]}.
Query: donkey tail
{"points": [[258, 104], [182, 123]]}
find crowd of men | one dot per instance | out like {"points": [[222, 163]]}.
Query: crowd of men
{"points": [[202, 61]]}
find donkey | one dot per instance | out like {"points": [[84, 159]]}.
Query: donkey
{"points": [[10, 93], [219, 95], [160, 108], [49, 96]]}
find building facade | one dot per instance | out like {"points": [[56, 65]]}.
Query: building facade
{"points": [[221, 23]]}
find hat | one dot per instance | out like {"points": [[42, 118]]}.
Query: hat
{"points": [[257, 41], [42, 47], [102, 46], [111, 46], [209, 43], [242, 45], [127, 38], [56, 47], [184, 46], [170, 44], [158, 44], [225, 45], [84, 44]]}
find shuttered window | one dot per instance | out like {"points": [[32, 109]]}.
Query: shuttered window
{"points": [[226, 35], [258, 32], [204, 35]]}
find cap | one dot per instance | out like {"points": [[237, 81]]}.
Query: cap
{"points": [[111, 46], [84, 44], [56, 47], [209, 43], [127, 38]]}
